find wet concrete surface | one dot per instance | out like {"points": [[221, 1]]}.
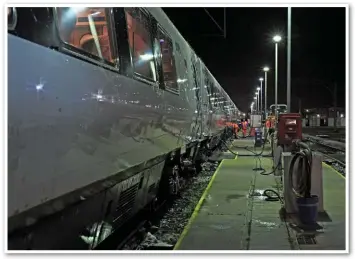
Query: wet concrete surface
{"points": [[234, 216]]}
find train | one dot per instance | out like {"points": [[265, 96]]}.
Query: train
{"points": [[106, 108]]}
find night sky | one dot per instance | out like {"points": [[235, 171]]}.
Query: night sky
{"points": [[317, 53]]}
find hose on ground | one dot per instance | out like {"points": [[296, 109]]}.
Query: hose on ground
{"points": [[276, 197], [268, 192]]}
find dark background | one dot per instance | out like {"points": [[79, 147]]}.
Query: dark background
{"points": [[317, 51]]}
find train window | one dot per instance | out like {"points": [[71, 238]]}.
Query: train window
{"points": [[140, 42], [168, 61], [11, 18], [87, 29]]}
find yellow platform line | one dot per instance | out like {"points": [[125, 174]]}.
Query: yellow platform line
{"points": [[342, 176], [197, 208]]}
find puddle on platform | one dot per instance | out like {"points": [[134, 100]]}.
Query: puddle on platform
{"points": [[233, 197], [221, 227], [268, 224], [257, 195]]}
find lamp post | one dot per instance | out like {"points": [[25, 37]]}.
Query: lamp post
{"points": [[289, 60], [257, 101], [276, 39], [254, 106], [261, 94], [255, 98], [334, 94], [259, 97], [266, 69]]}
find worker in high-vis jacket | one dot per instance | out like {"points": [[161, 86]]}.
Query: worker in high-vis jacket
{"points": [[233, 127], [236, 129], [268, 124], [272, 126], [244, 127], [267, 129]]}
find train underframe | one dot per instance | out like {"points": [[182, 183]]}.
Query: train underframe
{"points": [[88, 223]]}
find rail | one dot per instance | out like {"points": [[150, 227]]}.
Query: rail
{"points": [[336, 162]]}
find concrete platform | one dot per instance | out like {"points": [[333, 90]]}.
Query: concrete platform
{"points": [[232, 216]]}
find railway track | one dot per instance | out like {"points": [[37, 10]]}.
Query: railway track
{"points": [[333, 156]]}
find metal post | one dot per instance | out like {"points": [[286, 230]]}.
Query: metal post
{"points": [[300, 105], [289, 61], [276, 113], [335, 106], [265, 92], [257, 103], [261, 96]]}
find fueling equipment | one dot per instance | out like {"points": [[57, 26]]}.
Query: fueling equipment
{"points": [[258, 142], [289, 128], [303, 183], [255, 121]]}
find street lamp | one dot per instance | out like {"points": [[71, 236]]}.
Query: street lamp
{"points": [[261, 93], [257, 93], [276, 39], [289, 60], [266, 69], [257, 101]]}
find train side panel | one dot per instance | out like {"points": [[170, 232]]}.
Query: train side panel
{"points": [[86, 141]]}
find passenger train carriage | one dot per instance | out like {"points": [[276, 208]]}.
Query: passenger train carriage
{"points": [[103, 105]]}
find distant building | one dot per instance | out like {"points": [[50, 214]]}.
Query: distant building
{"points": [[323, 116], [340, 111], [323, 112], [315, 112]]}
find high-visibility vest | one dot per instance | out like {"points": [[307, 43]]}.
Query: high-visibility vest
{"points": [[244, 125]]}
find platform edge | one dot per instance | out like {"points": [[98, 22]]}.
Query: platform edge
{"points": [[197, 208], [330, 167]]}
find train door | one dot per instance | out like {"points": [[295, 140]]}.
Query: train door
{"points": [[196, 75], [208, 104], [182, 71]]}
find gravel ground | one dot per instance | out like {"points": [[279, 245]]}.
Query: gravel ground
{"points": [[338, 167], [166, 232], [337, 155]]}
